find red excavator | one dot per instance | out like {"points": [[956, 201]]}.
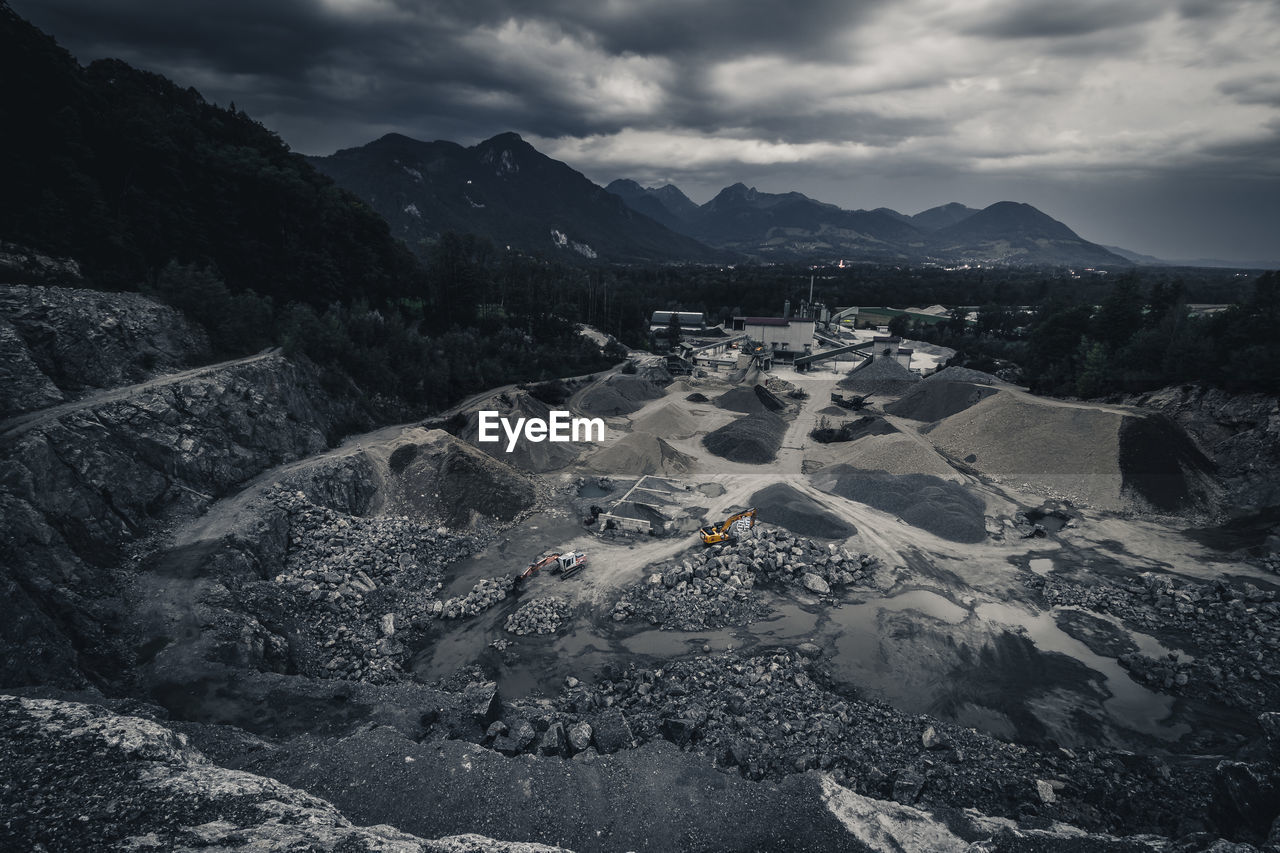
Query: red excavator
{"points": [[564, 565]]}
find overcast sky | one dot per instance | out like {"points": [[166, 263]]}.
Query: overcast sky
{"points": [[1150, 124]]}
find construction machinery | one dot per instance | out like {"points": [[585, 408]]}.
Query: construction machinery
{"points": [[569, 564], [733, 527], [850, 401], [564, 565]]}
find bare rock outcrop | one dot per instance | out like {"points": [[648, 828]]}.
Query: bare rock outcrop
{"points": [[78, 776], [81, 340]]}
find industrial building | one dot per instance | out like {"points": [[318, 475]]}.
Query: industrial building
{"points": [[783, 337], [688, 319]]}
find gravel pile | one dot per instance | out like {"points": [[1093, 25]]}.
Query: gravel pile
{"points": [[1055, 449], [933, 400], [540, 616], [750, 399], [896, 453], [754, 439], [347, 588], [1234, 631], [943, 508], [881, 375], [482, 596], [697, 397], [620, 394], [539, 457], [641, 453], [669, 419], [784, 506], [1162, 466], [964, 374]]}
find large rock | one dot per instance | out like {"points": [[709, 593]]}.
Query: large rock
{"points": [[907, 786], [815, 584], [679, 730], [486, 704], [579, 735], [612, 732], [554, 739], [1245, 796]]}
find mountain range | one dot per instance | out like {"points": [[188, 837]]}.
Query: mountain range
{"points": [[505, 189]]}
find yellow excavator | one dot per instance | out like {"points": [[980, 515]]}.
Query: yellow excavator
{"points": [[732, 527]]}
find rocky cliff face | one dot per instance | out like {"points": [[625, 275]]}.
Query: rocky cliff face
{"points": [[82, 340], [1240, 432], [82, 479]]}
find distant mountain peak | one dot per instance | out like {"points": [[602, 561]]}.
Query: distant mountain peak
{"points": [[505, 189]]}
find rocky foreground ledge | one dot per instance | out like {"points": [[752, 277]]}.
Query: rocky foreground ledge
{"points": [[77, 776]]}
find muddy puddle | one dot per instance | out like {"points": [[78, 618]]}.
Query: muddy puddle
{"points": [[512, 552], [1003, 667]]}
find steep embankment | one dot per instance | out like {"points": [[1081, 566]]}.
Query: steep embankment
{"points": [[1239, 432], [63, 342], [84, 479], [1105, 457]]}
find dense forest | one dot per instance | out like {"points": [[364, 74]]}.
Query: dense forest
{"points": [[150, 187]]}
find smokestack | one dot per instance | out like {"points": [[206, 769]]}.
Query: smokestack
{"points": [[786, 310], [810, 289]]}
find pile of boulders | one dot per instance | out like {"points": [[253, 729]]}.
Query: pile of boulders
{"points": [[713, 587], [540, 616], [771, 715], [348, 583], [1233, 630], [1271, 563], [324, 539], [773, 555], [482, 596], [691, 596], [1164, 673]]}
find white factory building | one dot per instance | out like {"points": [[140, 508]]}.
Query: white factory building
{"points": [[784, 337]]}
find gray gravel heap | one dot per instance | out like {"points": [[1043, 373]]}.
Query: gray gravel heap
{"points": [[754, 439], [939, 506], [714, 587], [880, 375], [540, 616]]}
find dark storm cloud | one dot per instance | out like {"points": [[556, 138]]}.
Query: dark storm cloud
{"points": [[846, 98], [867, 128], [1055, 18], [1257, 89]]}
